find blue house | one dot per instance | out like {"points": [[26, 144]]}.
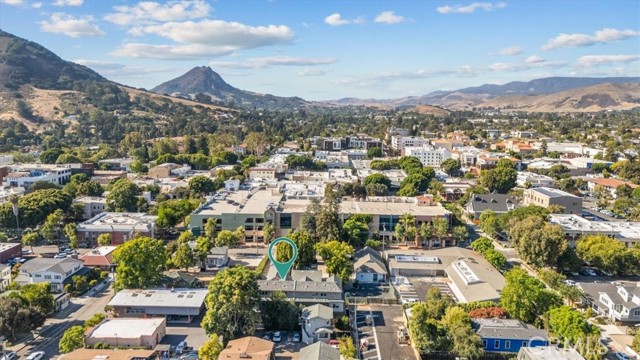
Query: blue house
{"points": [[508, 336]]}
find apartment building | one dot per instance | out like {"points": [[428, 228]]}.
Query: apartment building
{"points": [[121, 227], [24, 175], [53, 271], [93, 205], [544, 196], [306, 288], [399, 142], [428, 156]]}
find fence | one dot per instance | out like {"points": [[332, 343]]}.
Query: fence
{"points": [[371, 300], [449, 356]]}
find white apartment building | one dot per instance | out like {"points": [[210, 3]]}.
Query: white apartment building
{"points": [[428, 156], [399, 142], [53, 271], [93, 205], [25, 175]]}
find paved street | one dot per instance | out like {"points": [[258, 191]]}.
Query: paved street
{"points": [[79, 310]]}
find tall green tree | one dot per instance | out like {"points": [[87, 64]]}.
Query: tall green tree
{"points": [[451, 167], [104, 239], [427, 335], [538, 242], [72, 339], [328, 225], [70, 232], [466, 342], [525, 298], [500, 179], [337, 258], [211, 348], [52, 227], [227, 238], [356, 231], [279, 312], [123, 196], [201, 185], [140, 263], [30, 239], [184, 257], [306, 249], [231, 302]]}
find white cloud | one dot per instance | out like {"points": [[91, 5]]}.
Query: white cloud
{"points": [[312, 72], [510, 51], [390, 18], [336, 19], [12, 2], [603, 36], [68, 2], [597, 60], [468, 9], [148, 12], [36, 5], [534, 59], [204, 38], [69, 25], [257, 63]]}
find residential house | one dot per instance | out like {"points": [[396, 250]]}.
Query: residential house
{"points": [[305, 287], [5, 276], [453, 191], [101, 258], [609, 185], [249, 347], [317, 323], [92, 205], [620, 301], [54, 271], [121, 226], [548, 353], [319, 351], [368, 266], [127, 332], [546, 197], [507, 335], [176, 305], [498, 203], [9, 251], [216, 258]]}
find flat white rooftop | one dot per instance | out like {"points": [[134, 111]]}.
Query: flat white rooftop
{"points": [[126, 328], [193, 298]]}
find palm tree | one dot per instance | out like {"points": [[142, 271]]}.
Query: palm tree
{"points": [[425, 232], [13, 199]]}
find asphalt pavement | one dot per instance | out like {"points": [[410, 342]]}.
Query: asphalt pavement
{"points": [[80, 309]]}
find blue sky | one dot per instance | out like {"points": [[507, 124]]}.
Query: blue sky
{"points": [[329, 49]]}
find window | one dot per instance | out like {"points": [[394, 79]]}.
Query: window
{"points": [[47, 277], [484, 344], [636, 312], [57, 277], [507, 344], [285, 221], [524, 344], [496, 344]]}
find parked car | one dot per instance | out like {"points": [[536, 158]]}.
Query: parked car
{"points": [[60, 256], [266, 336], [570, 282], [10, 356], [590, 272], [180, 347], [35, 355], [69, 251], [333, 343], [296, 337], [26, 252], [622, 356], [277, 336], [606, 273]]}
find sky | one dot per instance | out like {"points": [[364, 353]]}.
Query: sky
{"points": [[330, 49]]}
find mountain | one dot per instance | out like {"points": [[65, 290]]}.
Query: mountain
{"points": [[25, 62], [203, 80], [506, 96]]}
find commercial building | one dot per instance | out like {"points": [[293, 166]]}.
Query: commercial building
{"points": [[127, 332], [101, 258], [548, 353], [121, 227], [51, 270], [534, 180], [168, 170], [471, 277], [428, 156], [446, 144], [93, 206], [262, 173], [176, 305], [545, 197], [400, 142], [305, 287], [575, 226], [24, 175], [249, 347], [10, 251], [507, 335], [111, 354]]}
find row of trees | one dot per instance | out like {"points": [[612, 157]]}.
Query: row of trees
{"points": [[25, 309]]}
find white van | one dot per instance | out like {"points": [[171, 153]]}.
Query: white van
{"points": [[180, 347]]}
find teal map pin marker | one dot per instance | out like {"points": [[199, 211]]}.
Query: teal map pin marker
{"points": [[283, 267]]}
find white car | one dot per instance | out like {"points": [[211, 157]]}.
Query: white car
{"points": [[60, 256], [590, 272], [10, 356], [35, 356], [570, 282], [277, 336], [180, 347], [622, 356]]}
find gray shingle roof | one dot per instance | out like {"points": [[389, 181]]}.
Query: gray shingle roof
{"points": [[319, 351], [507, 329], [495, 202], [368, 260], [318, 310], [60, 266]]}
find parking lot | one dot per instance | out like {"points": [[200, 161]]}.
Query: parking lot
{"points": [[387, 321], [285, 348], [422, 286], [192, 333]]}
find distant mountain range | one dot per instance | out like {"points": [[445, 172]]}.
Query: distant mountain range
{"points": [[547, 94], [203, 80]]}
